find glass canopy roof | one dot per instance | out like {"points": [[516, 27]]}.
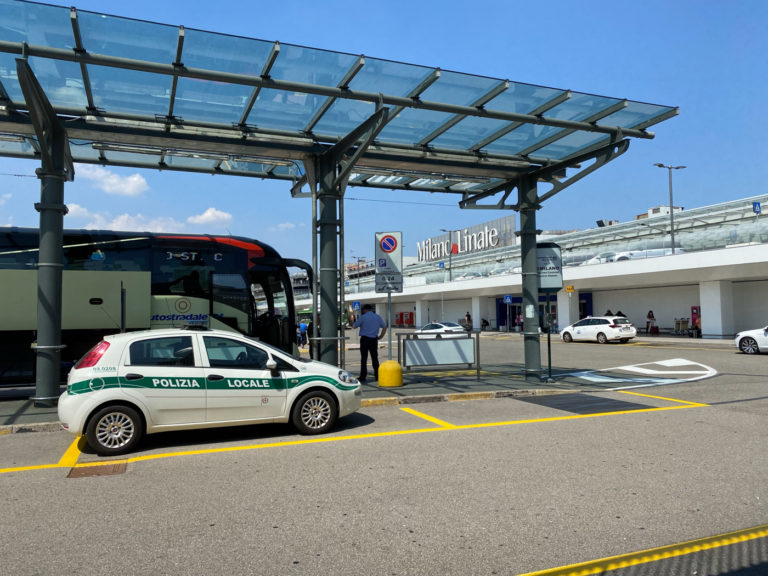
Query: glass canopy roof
{"points": [[143, 94]]}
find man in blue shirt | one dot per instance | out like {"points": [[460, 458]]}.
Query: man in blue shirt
{"points": [[370, 323], [302, 333]]}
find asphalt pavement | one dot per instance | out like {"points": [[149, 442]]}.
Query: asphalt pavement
{"points": [[18, 412]]}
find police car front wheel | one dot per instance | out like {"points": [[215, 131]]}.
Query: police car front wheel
{"points": [[314, 413], [114, 430]]}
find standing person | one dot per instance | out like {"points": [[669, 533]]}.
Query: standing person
{"points": [[468, 321], [369, 323], [303, 333], [650, 321]]}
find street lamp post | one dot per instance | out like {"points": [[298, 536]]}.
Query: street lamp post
{"points": [[450, 253], [671, 203], [359, 259]]}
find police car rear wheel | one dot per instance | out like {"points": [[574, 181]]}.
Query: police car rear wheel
{"points": [[314, 413], [114, 430]]}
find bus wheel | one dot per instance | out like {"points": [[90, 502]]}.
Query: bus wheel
{"points": [[114, 430]]}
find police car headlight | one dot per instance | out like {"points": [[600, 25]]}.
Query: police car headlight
{"points": [[346, 377]]}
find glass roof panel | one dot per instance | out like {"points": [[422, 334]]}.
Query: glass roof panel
{"points": [[412, 125], [578, 107], [300, 64], [456, 88], [216, 101], [521, 138], [570, 144], [518, 98], [130, 92], [83, 151], [343, 117], [61, 81], [35, 24], [15, 146], [195, 163], [207, 101], [388, 77], [581, 106], [232, 54], [635, 114], [281, 110], [8, 77], [132, 158], [385, 76], [126, 38]]}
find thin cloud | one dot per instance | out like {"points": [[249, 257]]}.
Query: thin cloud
{"points": [[212, 216], [112, 183], [77, 211], [4, 198], [283, 227], [137, 222]]}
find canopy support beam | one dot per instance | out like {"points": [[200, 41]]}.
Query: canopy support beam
{"points": [[327, 175], [56, 168], [528, 204]]}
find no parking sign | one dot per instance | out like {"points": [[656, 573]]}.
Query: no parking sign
{"points": [[389, 262]]}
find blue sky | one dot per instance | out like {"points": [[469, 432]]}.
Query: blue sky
{"points": [[709, 57]]}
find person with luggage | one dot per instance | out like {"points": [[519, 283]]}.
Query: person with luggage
{"points": [[650, 323]]}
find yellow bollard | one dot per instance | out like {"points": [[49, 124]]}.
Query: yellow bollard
{"points": [[390, 374]]}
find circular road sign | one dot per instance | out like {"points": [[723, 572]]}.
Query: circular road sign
{"points": [[388, 244]]}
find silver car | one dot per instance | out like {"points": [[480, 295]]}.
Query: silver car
{"points": [[443, 329]]}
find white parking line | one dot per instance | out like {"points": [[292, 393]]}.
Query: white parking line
{"points": [[648, 374]]}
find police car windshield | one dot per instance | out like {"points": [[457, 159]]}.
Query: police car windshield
{"points": [[277, 351]]}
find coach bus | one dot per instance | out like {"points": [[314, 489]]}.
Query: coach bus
{"points": [[116, 281]]}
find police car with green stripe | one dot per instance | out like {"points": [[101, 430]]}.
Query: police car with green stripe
{"points": [[151, 381]]}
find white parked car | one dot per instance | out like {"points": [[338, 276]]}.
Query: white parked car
{"points": [[444, 329], [600, 329], [468, 276], [150, 381], [752, 341]]}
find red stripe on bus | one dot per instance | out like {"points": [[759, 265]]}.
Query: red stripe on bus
{"points": [[254, 250]]}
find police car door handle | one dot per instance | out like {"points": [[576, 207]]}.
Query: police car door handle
{"points": [[132, 376], [215, 377]]}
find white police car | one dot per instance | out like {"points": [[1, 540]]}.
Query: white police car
{"points": [[151, 381]]}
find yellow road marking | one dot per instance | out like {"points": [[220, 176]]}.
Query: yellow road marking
{"points": [[655, 554], [70, 457], [68, 460], [663, 398], [428, 418]]}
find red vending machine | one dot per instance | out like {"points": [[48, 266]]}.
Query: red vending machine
{"points": [[408, 318]]}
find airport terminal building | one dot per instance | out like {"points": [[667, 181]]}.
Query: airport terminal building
{"points": [[717, 270]]}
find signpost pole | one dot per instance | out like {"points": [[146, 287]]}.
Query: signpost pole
{"points": [[389, 322], [549, 341]]}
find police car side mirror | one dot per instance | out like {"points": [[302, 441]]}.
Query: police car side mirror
{"points": [[271, 364]]}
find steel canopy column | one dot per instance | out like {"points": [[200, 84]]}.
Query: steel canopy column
{"points": [[56, 167], [49, 282], [528, 204], [328, 223]]}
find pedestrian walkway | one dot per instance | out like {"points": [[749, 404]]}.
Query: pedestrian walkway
{"points": [[19, 414]]}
